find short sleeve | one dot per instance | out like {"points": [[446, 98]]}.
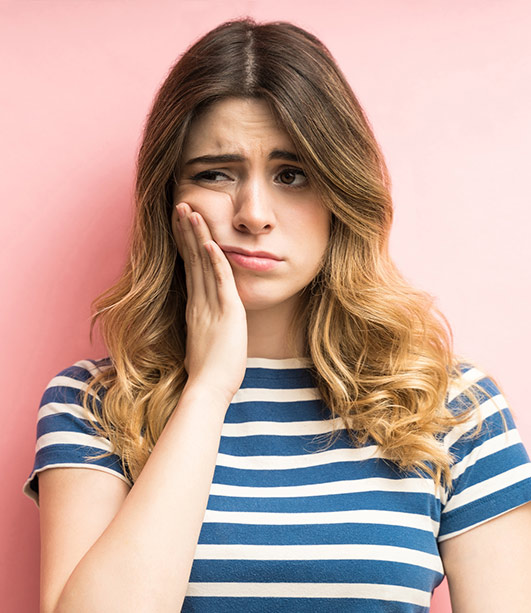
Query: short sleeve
{"points": [[491, 472], [65, 435]]}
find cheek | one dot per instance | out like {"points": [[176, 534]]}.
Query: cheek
{"points": [[315, 227], [214, 206], [318, 235]]}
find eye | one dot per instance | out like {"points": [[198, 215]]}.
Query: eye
{"points": [[210, 176], [293, 177]]}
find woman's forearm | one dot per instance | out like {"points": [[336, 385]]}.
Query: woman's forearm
{"points": [[142, 561]]}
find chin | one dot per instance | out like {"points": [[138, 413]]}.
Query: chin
{"points": [[254, 300], [258, 303]]}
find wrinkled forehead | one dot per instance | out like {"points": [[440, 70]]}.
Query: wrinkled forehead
{"points": [[236, 125]]}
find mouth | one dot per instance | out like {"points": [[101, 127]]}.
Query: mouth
{"points": [[252, 254], [259, 261]]}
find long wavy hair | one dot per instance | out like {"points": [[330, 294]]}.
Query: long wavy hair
{"points": [[381, 351]]}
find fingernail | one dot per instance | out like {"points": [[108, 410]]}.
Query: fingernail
{"points": [[181, 212], [194, 220]]}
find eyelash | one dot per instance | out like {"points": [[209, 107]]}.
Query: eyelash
{"points": [[204, 174]]}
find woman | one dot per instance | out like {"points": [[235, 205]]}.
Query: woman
{"points": [[281, 422]]}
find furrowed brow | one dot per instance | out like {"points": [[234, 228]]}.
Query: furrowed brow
{"points": [[216, 159], [280, 154], [276, 154]]}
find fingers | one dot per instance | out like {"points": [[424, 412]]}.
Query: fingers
{"points": [[203, 237], [191, 255], [222, 276], [178, 224], [200, 275]]}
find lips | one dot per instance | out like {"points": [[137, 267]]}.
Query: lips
{"points": [[253, 254], [257, 261]]}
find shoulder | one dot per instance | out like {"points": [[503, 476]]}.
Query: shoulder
{"points": [[63, 407], [490, 470], [66, 436], [70, 383], [477, 400], [469, 376], [81, 371]]}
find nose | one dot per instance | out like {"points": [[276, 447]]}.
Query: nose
{"points": [[253, 207]]}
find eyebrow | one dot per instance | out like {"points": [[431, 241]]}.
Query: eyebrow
{"points": [[276, 154]]}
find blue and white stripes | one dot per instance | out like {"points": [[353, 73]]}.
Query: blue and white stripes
{"points": [[292, 524], [65, 436]]}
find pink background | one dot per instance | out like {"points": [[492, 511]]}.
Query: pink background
{"points": [[445, 85]]}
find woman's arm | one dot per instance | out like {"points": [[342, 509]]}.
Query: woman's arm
{"points": [[488, 567], [131, 552], [108, 550]]}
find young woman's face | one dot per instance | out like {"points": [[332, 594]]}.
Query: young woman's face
{"points": [[254, 195]]}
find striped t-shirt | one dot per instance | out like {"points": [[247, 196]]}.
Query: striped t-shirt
{"points": [[292, 525]]}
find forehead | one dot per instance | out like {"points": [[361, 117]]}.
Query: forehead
{"points": [[236, 125]]}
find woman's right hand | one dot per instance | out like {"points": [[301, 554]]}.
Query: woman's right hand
{"points": [[216, 339]]}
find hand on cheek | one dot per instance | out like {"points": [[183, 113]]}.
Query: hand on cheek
{"points": [[216, 336], [215, 206], [181, 244]]}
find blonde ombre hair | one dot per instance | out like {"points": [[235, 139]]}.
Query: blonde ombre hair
{"points": [[381, 351]]}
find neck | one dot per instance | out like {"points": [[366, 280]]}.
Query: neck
{"points": [[268, 333]]}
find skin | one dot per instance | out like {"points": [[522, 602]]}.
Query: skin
{"points": [[256, 204]]}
